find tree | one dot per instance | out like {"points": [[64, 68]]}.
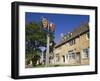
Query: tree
{"points": [[35, 38]]}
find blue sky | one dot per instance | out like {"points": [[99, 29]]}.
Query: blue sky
{"points": [[64, 22]]}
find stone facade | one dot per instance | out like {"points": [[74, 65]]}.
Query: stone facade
{"points": [[75, 50]]}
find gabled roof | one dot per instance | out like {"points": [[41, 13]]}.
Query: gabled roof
{"points": [[76, 32]]}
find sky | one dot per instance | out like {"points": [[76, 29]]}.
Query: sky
{"points": [[64, 23]]}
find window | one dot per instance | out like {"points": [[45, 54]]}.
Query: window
{"points": [[72, 42], [71, 54], [85, 53]]}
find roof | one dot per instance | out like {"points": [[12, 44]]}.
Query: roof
{"points": [[76, 32]]}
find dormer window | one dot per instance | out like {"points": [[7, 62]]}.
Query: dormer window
{"points": [[72, 42]]}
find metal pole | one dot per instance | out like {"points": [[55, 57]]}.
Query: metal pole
{"points": [[47, 52]]}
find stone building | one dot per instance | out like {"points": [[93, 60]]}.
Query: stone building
{"points": [[75, 49]]}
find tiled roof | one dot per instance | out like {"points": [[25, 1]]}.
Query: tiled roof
{"points": [[76, 32]]}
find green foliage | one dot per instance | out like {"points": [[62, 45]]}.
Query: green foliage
{"points": [[35, 38]]}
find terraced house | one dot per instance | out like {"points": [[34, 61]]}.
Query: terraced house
{"points": [[74, 49]]}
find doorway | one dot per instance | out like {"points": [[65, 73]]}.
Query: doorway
{"points": [[78, 58], [63, 58]]}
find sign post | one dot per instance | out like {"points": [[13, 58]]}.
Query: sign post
{"points": [[47, 52], [49, 28], [45, 26]]}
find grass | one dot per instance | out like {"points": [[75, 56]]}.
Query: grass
{"points": [[57, 65]]}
